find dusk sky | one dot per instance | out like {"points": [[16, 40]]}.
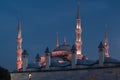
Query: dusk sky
{"points": [[42, 19]]}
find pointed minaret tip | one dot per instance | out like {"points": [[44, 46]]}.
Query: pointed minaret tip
{"points": [[25, 52], [78, 10], [78, 25], [73, 49], [47, 50], [19, 23], [57, 41], [19, 28], [64, 41], [106, 35], [101, 45], [106, 44]]}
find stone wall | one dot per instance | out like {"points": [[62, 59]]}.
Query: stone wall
{"points": [[74, 74]]}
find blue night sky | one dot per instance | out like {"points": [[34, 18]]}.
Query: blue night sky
{"points": [[42, 19]]}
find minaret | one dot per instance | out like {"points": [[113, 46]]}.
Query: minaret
{"points": [[73, 60], [101, 54], [25, 60], [37, 58], [48, 58], [19, 47], [57, 42], [64, 43], [78, 34], [106, 45]]}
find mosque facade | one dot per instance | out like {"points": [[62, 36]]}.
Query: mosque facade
{"points": [[65, 61]]}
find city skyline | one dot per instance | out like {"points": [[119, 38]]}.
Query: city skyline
{"points": [[40, 23]]}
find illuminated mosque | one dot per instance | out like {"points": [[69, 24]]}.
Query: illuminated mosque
{"points": [[66, 62], [64, 55]]}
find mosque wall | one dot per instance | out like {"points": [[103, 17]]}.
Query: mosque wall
{"points": [[76, 74]]}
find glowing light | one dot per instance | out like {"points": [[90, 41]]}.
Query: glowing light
{"points": [[78, 27], [79, 40], [60, 61], [78, 52], [105, 43]]}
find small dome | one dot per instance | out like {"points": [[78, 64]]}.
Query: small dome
{"points": [[63, 48]]}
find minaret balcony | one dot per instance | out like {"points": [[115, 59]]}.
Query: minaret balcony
{"points": [[78, 43], [19, 64], [106, 47], [19, 51], [78, 31], [19, 40]]}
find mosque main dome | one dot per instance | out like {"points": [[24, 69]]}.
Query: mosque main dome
{"points": [[64, 47]]}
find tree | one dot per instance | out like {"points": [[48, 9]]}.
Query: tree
{"points": [[4, 74]]}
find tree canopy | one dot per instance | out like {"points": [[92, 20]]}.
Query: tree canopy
{"points": [[4, 74]]}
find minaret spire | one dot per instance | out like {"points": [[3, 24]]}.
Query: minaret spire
{"points": [[78, 25], [78, 10], [64, 41], [19, 29], [57, 42], [19, 46], [106, 44], [78, 33]]}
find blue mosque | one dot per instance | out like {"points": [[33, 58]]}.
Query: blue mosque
{"points": [[66, 59]]}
